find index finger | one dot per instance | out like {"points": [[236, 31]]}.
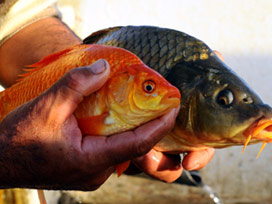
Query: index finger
{"points": [[197, 159]]}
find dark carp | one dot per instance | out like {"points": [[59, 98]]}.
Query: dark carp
{"points": [[218, 109]]}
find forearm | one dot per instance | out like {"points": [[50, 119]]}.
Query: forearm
{"points": [[31, 44]]}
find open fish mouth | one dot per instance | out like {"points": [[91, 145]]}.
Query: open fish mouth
{"points": [[260, 130]]}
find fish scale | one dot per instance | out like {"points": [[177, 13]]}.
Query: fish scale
{"points": [[45, 73], [155, 44], [217, 106]]}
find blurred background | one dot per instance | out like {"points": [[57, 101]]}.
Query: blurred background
{"points": [[241, 30]]}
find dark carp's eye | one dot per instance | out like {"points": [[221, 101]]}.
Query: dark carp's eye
{"points": [[225, 98], [149, 86]]}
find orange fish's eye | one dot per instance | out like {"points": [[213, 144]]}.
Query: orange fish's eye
{"points": [[149, 86]]}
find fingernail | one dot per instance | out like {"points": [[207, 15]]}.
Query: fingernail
{"points": [[99, 66], [194, 166]]}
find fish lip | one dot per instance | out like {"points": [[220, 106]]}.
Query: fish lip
{"points": [[263, 121], [173, 94], [173, 97], [262, 134], [249, 129]]}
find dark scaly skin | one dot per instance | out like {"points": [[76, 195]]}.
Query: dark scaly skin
{"points": [[159, 48], [200, 75]]}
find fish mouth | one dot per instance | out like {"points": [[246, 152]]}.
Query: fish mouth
{"points": [[173, 98], [260, 130]]}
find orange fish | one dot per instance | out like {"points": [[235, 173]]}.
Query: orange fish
{"points": [[134, 94]]}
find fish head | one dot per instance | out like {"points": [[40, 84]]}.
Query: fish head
{"points": [[226, 108], [154, 93], [139, 94], [217, 106]]}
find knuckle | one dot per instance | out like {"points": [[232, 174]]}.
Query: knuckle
{"points": [[141, 147], [71, 84], [168, 126], [64, 92], [112, 159], [76, 77], [73, 78]]}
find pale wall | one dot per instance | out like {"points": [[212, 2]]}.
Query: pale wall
{"points": [[241, 30]]}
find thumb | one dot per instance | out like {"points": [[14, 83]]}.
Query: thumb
{"points": [[69, 91]]}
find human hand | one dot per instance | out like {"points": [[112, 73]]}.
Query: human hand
{"points": [[41, 145], [169, 167]]}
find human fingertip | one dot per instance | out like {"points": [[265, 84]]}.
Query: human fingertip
{"points": [[177, 110], [192, 166], [197, 159], [99, 66]]}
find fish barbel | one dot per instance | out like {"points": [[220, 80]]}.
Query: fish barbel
{"points": [[218, 109]]}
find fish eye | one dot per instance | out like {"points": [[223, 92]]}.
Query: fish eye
{"points": [[225, 98], [149, 86]]}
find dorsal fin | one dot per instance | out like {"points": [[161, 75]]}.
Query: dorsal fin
{"points": [[94, 37], [45, 61]]}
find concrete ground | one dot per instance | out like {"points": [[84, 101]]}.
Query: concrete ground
{"points": [[138, 190]]}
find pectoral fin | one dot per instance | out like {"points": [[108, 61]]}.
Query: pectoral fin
{"points": [[92, 125], [121, 168]]}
